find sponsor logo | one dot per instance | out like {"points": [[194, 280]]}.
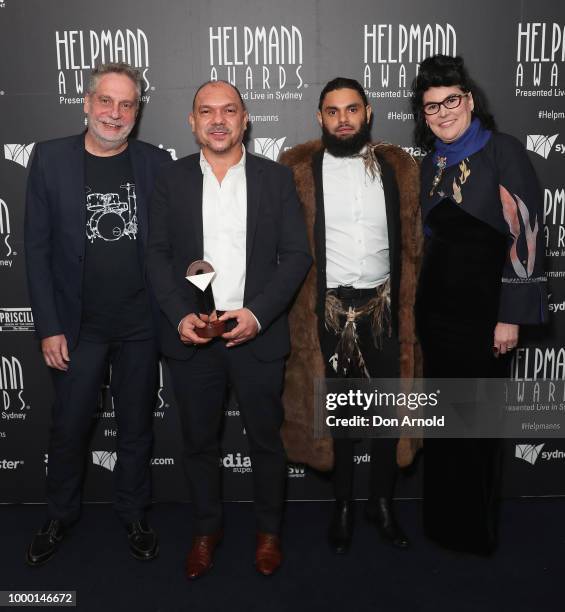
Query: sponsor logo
{"points": [[162, 461], [172, 152], [12, 402], [264, 62], [2, 4], [16, 319], [105, 459], [393, 52], [46, 462], [528, 452], [296, 470], [555, 306], [358, 459], [7, 464], [554, 222], [540, 144], [81, 50], [532, 452], [415, 151], [5, 247], [554, 454], [108, 459], [18, 153], [540, 55], [238, 463], [269, 147], [529, 364]]}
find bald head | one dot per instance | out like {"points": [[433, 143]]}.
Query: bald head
{"points": [[214, 84]]}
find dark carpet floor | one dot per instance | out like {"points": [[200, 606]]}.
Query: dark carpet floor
{"points": [[525, 575]]}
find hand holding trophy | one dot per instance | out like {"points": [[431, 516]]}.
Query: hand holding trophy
{"points": [[200, 274]]}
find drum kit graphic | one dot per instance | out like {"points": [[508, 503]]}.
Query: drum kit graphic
{"points": [[111, 219]]}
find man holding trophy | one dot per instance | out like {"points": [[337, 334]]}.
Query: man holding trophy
{"points": [[227, 236]]}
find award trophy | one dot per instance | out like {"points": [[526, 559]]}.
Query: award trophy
{"points": [[200, 274]]}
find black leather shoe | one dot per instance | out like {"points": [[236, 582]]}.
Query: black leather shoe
{"points": [[380, 513], [143, 542], [45, 543], [340, 530]]}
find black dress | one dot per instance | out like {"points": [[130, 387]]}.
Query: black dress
{"points": [[457, 310], [483, 264]]}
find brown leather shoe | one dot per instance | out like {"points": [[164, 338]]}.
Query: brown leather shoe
{"points": [[200, 557], [268, 554]]}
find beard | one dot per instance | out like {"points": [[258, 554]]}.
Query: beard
{"points": [[112, 140], [346, 147]]}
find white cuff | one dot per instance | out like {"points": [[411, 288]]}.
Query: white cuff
{"points": [[257, 320]]}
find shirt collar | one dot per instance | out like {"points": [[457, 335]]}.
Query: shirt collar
{"points": [[206, 167]]}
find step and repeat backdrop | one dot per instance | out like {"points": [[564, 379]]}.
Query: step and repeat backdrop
{"points": [[279, 54]]}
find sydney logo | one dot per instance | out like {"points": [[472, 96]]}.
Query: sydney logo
{"points": [[528, 452], [105, 459], [18, 153], [540, 144], [269, 147]]}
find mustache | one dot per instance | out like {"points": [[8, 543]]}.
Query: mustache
{"points": [[218, 127], [115, 123]]}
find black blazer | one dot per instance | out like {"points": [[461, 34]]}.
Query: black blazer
{"points": [[277, 250], [55, 228], [392, 205]]}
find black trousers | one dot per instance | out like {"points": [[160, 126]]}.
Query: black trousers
{"points": [[200, 385], [381, 362], [133, 386], [462, 476]]}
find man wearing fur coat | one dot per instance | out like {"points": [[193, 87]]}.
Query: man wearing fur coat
{"points": [[354, 315]]}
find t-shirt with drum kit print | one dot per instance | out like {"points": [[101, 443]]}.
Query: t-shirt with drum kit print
{"points": [[115, 300]]}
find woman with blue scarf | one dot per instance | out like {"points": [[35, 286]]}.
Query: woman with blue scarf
{"points": [[482, 278]]}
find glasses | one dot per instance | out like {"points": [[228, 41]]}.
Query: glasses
{"points": [[451, 102]]}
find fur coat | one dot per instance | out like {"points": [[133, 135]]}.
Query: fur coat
{"points": [[306, 362]]}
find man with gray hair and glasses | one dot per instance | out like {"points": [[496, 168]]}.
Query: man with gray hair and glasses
{"points": [[85, 236]]}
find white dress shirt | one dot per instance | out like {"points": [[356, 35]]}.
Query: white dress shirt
{"points": [[356, 224], [224, 223]]}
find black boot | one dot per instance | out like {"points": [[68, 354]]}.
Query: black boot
{"points": [[143, 542], [379, 512], [340, 530], [45, 543]]}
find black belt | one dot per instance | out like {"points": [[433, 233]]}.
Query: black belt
{"points": [[347, 292]]}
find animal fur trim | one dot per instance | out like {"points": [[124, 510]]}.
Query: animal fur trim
{"points": [[305, 363]]}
